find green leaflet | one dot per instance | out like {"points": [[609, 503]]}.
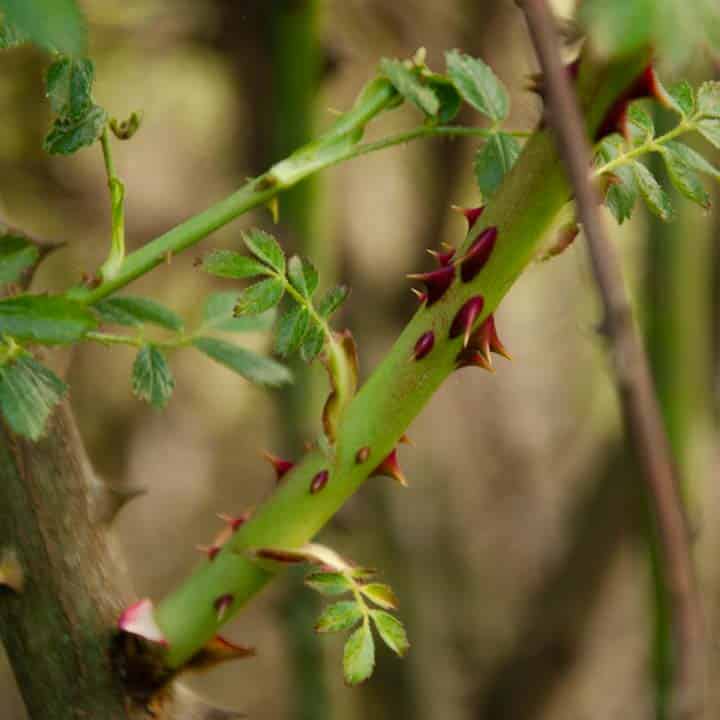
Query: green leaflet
{"points": [[56, 25], [408, 83], [494, 160], [359, 656], [152, 379], [28, 394], [654, 196], [478, 84], [302, 275], [391, 631], [230, 264], [131, 310], [45, 319], [17, 254], [219, 314], [253, 367], [339, 616], [265, 248]]}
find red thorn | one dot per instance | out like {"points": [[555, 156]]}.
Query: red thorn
{"points": [[436, 281], [222, 605], [482, 342], [362, 455], [466, 317], [478, 254], [473, 358], [281, 467], [494, 342], [421, 296], [424, 345], [319, 482], [210, 550], [235, 521], [471, 214], [405, 440], [391, 467], [443, 257]]}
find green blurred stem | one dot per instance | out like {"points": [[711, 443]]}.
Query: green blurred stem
{"points": [[339, 145], [399, 388], [678, 315], [114, 262], [296, 69]]}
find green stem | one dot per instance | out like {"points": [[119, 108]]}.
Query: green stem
{"points": [[331, 150], [523, 210], [138, 341], [654, 145], [117, 212]]}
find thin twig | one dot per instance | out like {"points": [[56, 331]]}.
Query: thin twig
{"points": [[639, 404]]}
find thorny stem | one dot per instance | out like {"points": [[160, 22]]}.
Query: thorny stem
{"points": [[338, 145], [524, 208], [640, 407], [117, 212]]}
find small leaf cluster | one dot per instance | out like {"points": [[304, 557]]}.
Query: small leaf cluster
{"points": [[626, 177], [29, 391], [302, 325], [371, 605], [152, 379], [79, 122], [440, 97]]}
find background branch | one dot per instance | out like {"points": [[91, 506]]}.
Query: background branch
{"points": [[639, 404]]}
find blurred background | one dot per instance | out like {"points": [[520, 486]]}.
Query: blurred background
{"points": [[522, 551]]}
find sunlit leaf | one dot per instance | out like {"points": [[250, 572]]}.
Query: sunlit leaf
{"points": [[478, 84], [408, 83], [359, 656], [708, 99], [339, 616], [381, 595], [328, 583], [392, 632]]}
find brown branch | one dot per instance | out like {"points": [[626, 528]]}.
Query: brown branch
{"points": [[639, 404]]}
